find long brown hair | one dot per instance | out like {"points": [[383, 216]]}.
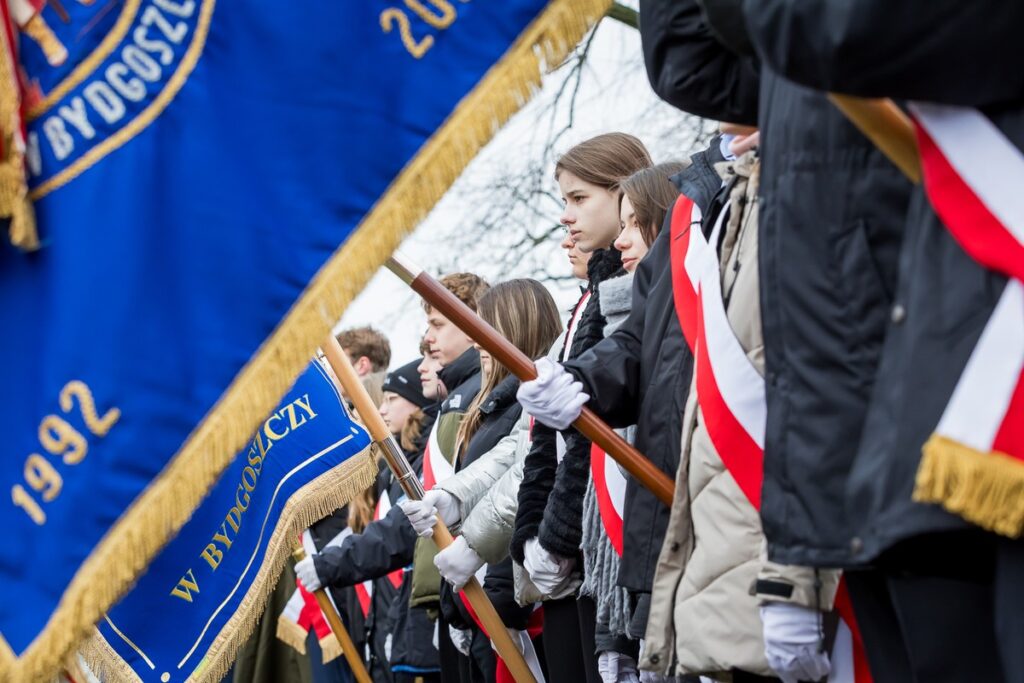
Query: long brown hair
{"points": [[524, 313], [605, 160], [651, 193]]}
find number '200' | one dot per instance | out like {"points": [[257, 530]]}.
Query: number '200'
{"points": [[439, 14]]}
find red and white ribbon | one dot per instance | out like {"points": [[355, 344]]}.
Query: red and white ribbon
{"points": [[610, 487], [974, 178], [436, 467], [364, 590], [731, 391]]}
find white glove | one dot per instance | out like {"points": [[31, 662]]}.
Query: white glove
{"points": [[461, 639], [445, 503], [458, 563], [306, 571], [547, 571], [792, 639], [616, 667], [422, 516], [554, 398]]}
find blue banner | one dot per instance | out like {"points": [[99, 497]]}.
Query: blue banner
{"points": [[209, 583], [213, 183]]}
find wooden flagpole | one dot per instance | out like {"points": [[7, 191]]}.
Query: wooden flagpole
{"points": [[412, 487], [589, 424], [887, 126], [355, 662]]}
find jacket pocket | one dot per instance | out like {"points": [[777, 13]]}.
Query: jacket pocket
{"points": [[865, 298]]}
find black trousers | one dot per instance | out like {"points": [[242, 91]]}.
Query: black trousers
{"points": [[586, 609], [563, 644], [944, 607]]}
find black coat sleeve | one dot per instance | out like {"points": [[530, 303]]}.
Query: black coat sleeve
{"points": [[610, 370], [538, 476], [690, 69], [384, 546], [561, 531], [946, 51]]}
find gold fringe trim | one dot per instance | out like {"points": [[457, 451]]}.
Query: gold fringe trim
{"points": [[308, 505], [290, 633], [104, 663], [984, 488], [170, 499], [330, 646], [14, 201]]}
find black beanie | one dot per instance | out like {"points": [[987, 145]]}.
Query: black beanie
{"points": [[405, 381]]}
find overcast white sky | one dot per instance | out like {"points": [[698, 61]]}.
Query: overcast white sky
{"points": [[614, 95]]}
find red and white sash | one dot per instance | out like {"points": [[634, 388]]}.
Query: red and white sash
{"points": [[610, 487], [731, 392], [436, 467], [302, 612], [974, 177], [364, 590]]}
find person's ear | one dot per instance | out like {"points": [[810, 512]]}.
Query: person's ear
{"points": [[363, 366]]}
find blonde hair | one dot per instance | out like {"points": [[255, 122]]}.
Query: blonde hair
{"points": [[524, 313]]}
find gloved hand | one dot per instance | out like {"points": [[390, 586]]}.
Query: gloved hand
{"points": [[445, 503], [422, 516], [461, 639], [458, 563], [615, 667], [306, 571], [554, 398], [792, 642], [547, 571]]}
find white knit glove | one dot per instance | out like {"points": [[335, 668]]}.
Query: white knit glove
{"points": [[458, 563], [547, 572], [445, 503], [421, 514], [554, 398], [461, 639], [792, 642], [616, 667], [306, 571]]}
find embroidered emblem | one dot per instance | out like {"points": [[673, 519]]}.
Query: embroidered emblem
{"points": [[97, 72]]}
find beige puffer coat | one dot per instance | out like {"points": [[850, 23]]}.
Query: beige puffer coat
{"points": [[705, 616]]}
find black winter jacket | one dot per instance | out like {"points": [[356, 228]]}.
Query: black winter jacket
{"points": [[641, 375], [908, 50], [830, 226], [385, 545], [541, 465], [675, 38], [561, 530]]}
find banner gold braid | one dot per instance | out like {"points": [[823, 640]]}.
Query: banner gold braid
{"points": [[167, 503], [14, 202]]}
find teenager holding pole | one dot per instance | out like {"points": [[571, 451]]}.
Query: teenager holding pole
{"points": [[406, 476]]}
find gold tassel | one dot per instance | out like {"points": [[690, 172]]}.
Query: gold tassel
{"points": [[984, 488], [169, 500], [14, 201], [331, 647], [290, 633]]}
